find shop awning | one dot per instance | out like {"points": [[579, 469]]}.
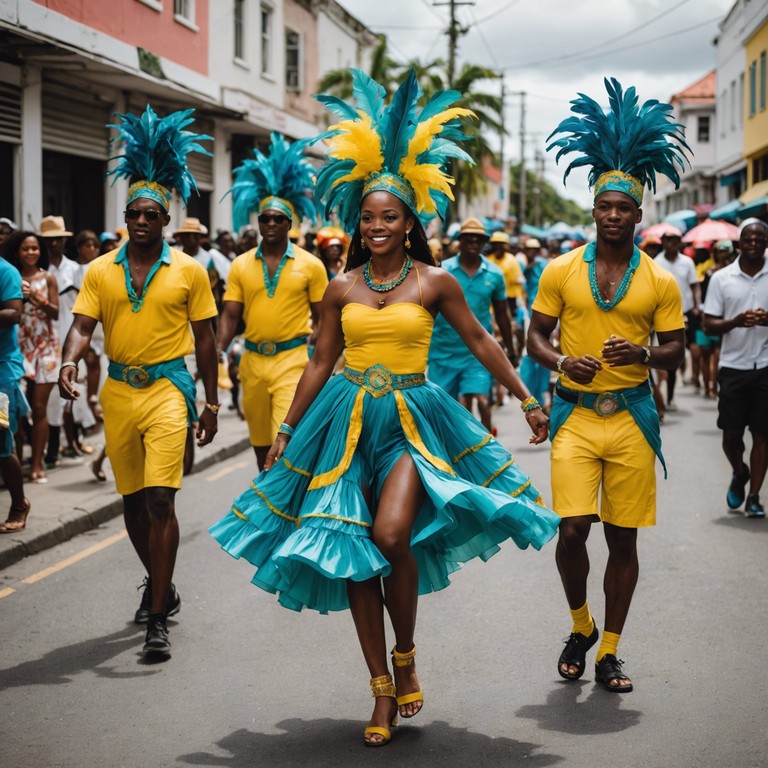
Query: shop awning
{"points": [[755, 208], [754, 192], [728, 211]]}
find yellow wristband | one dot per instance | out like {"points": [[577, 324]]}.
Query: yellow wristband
{"points": [[528, 403]]}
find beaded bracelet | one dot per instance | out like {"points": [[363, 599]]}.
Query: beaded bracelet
{"points": [[285, 429], [531, 407], [527, 403]]}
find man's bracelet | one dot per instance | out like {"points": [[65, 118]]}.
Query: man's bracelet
{"points": [[213, 407], [560, 362], [68, 364]]}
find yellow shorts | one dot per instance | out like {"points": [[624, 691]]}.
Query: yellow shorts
{"points": [[145, 431], [269, 384], [590, 450]]}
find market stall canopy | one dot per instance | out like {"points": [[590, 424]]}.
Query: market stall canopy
{"points": [[710, 230]]}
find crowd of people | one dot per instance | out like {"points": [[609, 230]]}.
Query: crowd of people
{"points": [[356, 355]]}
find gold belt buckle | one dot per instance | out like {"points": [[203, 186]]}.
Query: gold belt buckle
{"points": [[377, 381], [267, 348], [606, 404], [136, 376]]}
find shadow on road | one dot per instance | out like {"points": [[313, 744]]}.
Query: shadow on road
{"points": [[738, 521], [59, 666], [599, 712], [328, 743]]}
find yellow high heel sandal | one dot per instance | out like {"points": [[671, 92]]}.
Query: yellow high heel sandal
{"points": [[405, 660], [382, 686]]}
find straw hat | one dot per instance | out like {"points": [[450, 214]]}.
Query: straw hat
{"points": [[191, 225], [472, 227], [532, 242], [500, 237], [54, 226]]}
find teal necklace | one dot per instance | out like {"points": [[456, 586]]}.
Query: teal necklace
{"points": [[590, 256], [380, 287]]}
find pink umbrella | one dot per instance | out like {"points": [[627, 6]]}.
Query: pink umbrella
{"points": [[710, 229], [661, 229]]}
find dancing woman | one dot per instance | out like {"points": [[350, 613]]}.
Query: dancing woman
{"points": [[379, 485]]}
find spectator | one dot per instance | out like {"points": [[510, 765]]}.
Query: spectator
{"points": [[7, 228], [38, 336]]}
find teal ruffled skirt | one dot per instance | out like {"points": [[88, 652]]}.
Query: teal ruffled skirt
{"points": [[306, 524]]}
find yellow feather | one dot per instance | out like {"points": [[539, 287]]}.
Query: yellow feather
{"points": [[425, 130], [357, 141], [426, 177]]}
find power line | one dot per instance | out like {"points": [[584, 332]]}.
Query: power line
{"points": [[484, 41], [568, 60], [497, 13]]}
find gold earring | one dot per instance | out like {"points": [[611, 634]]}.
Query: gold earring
{"points": [[363, 244], [407, 242]]}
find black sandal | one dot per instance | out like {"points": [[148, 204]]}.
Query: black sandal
{"points": [[575, 652], [607, 670]]}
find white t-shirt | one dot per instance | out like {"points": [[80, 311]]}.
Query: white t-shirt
{"points": [[69, 279], [730, 293], [684, 271]]}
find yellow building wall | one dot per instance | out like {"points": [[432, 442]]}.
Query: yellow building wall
{"points": [[755, 125]]}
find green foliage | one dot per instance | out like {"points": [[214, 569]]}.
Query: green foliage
{"points": [[553, 206]]}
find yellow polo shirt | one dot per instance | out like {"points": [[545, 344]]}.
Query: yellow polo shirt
{"points": [[513, 274], [179, 292], [284, 315], [653, 302]]}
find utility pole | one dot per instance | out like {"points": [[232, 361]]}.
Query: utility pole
{"points": [[453, 32], [504, 164], [521, 207]]}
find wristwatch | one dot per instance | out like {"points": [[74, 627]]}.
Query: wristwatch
{"points": [[646, 355], [560, 362], [213, 407]]}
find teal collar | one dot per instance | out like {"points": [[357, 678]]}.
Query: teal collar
{"points": [[122, 258], [590, 256], [271, 285]]}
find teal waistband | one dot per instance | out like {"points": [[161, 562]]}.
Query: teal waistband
{"points": [[140, 376], [637, 400], [378, 380], [270, 348]]}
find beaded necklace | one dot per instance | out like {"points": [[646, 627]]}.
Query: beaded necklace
{"points": [[590, 256], [380, 287]]}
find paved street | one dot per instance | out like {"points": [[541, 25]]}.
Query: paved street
{"points": [[251, 684]]}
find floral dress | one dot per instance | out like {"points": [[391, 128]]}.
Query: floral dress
{"points": [[38, 338]]}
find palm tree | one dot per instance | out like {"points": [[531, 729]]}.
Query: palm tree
{"points": [[338, 82]]}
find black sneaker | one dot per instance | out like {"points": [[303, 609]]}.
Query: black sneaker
{"points": [[142, 614], [753, 507], [157, 635], [173, 606]]}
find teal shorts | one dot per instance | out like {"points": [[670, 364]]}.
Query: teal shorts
{"points": [[462, 377], [708, 342]]}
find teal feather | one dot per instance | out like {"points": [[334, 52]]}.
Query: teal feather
{"points": [[155, 149], [283, 172], [640, 140], [395, 125]]}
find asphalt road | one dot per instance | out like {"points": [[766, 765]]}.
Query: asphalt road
{"points": [[252, 684]]}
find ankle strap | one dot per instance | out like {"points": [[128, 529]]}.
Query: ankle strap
{"points": [[403, 659], [383, 686]]}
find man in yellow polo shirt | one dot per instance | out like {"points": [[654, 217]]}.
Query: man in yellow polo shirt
{"points": [[608, 298], [500, 255], [148, 296], [275, 288]]}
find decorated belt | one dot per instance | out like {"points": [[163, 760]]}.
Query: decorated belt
{"points": [[270, 348], [140, 376], [378, 380], [605, 403]]}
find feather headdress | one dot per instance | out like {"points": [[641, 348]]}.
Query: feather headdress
{"points": [[624, 147], [397, 148], [154, 157], [284, 179]]}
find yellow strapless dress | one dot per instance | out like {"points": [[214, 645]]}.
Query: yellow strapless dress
{"points": [[306, 525]]}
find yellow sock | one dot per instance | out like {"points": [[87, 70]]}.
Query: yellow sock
{"points": [[582, 620], [608, 644]]}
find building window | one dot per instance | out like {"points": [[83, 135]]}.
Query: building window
{"points": [[240, 29], [703, 129], [734, 105], [762, 81], [267, 17], [185, 9], [155, 5], [741, 100], [752, 88], [292, 60]]}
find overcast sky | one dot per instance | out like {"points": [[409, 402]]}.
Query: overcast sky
{"points": [[552, 49]]}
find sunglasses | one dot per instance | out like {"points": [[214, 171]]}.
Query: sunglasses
{"points": [[151, 215], [277, 218]]}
